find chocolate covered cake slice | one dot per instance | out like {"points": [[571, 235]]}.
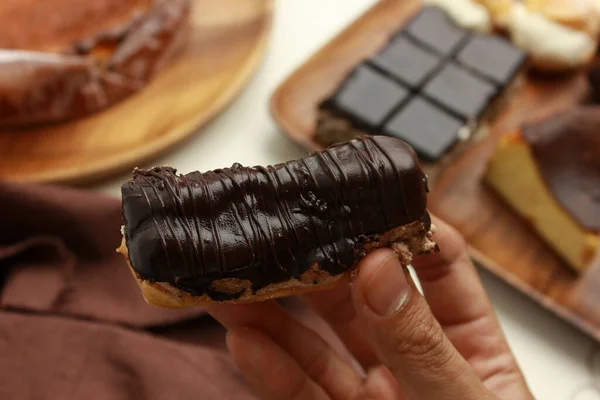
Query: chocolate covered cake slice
{"points": [[549, 173], [451, 78]]}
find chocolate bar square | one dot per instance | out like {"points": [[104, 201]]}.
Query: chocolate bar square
{"points": [[434, 28], [430, 130], [461, 92], [404, 60], [367, 97], [492, 57]]}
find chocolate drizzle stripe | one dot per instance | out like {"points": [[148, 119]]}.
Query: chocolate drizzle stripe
{"points": [[268, 224], [347, 194], [336, 187], [380, 190], [260, 201], [248, 236], [325, 158], [312, 223], [168, 222], [215, 233], [397, 173], [365, 172], [285, 205], [274, 183], [184, 222], [202, 260], [254, 246], [260, 236], [163, 240]]}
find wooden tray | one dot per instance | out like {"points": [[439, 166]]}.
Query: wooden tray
{"points": [[225, 47], [499, 241]]}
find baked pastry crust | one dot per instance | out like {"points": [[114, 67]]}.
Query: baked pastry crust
{"points": [[401, 239], [57, 81]]}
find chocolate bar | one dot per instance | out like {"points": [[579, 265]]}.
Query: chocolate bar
{"points": [[460, 92], [404, 60], [434, 28], [429, 130], [445, 74], [367, 98], [493, 58]]}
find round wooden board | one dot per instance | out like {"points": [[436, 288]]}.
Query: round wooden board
{"points": [[226, 44]]}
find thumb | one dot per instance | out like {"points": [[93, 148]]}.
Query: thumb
{"points": [[400, 328]]}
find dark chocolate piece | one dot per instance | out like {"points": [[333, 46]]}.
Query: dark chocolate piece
{"points": [[367, 97], [404, 60], [493, 58], [269, 224], [434, 28], [567, 150], [428, 129], [460, 92]]}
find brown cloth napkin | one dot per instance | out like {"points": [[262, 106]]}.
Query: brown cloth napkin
{"points": [[73, 324]]}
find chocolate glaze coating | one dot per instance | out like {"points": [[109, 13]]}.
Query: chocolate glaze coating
{"points": [[567, 150], [269, 224]]}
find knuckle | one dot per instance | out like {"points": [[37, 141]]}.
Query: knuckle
{"points": [[418, 336], [461, 242], [297, 391], [318, 366]]}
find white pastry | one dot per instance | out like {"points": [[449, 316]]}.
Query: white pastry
{"points": [[466, 13], [583, 15], [551, 46], [499, 10]]}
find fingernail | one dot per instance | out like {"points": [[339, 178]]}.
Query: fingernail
{"points": [[387, 289]]}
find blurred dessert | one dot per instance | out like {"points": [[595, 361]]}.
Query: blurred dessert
{"points": [[62, 59], [581, 15], [499, 11], [466, 13], [431, 86], [549, 173], [551, 45]]}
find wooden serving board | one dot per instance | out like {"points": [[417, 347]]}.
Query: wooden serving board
{"points": [[225, 46], [499, 240]]}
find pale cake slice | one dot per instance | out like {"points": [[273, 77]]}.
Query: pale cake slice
{"points": [[549, 173]]}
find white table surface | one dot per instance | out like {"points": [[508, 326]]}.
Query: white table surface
{"points": [[555, 357]]}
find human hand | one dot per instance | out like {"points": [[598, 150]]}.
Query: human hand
{"points": [[448, 347]]}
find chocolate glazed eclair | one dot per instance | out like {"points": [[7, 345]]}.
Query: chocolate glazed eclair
{"points": [[244, 234]]}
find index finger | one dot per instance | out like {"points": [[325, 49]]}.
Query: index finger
{"points": [[458, 301], [450, 281]]}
